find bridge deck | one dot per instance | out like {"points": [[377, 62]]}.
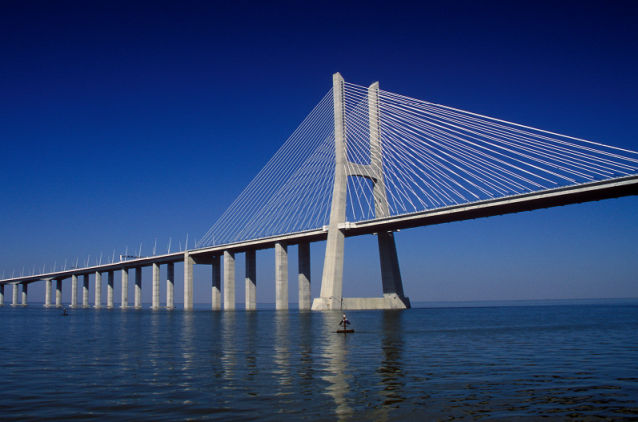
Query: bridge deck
{"points": [[594, 191]]}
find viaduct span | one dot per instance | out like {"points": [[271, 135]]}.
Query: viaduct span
{"points": [[383, 163]]}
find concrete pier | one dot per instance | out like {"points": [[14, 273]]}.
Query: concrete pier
{"points": [[124, 303], [138, 287], [229, 280], [304, 276], [25, 288], [98, 289], [58, 293], [74, 291], [188, 281], [251, 281], [47, 293], [85, 291], [281, 275], [170, 285], [217, 283], [15, 295], [156, 286], [109, 289], [1, 294]]}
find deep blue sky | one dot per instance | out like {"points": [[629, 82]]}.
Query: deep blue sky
{"points": [[126, 122]]}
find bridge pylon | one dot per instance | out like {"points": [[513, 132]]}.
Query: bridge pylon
{"points": [[332, 279]]}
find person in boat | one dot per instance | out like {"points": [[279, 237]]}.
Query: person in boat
{"points": [[345, 321]]}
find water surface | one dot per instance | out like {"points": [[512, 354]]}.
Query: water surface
{"points": [[536, 361]]}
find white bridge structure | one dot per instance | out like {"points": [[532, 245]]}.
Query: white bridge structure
{"points": [[367, 162]]}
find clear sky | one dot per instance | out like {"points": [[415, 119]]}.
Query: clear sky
{"points": [[123, 122]]}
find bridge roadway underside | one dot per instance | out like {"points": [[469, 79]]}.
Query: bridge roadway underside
{"points": [[595, 191]]}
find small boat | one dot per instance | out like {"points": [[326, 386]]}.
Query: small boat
{"points": [[345, 324], [64, 313]]}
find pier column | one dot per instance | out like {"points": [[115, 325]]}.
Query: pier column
{"points": [[124, 303], [47, 293], [138, 287], [85, 291], [304, 276], [251, 281], [170, 285], [281, 275], [229, 280], [58, 293], [15, 295], [25, 287], [188, 281], [98, 289], [156, 286], [109, 289], [217, 283], [74, 291], [1, 294]]}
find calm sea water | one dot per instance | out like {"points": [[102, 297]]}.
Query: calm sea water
{"points": [[540, 361]]}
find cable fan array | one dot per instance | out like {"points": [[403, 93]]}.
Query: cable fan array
{"points": [[292, 193], [436, 156], [432, 156]]}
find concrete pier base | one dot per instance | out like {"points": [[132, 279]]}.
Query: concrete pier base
{"points": [[109, 289], [58, 293], [138, 287], [74, 291], [85, 291], [25, 288], [156, 286], [251, 281], [47, 293], [124, 303], [229, 280], [170, 285], [217, 284], [304, 276], [281, 275], [15, 295], [364, 303], [188, 281], [98, 290]]}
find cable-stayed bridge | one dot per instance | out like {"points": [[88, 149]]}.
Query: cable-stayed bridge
{"points": [[367, 161]]}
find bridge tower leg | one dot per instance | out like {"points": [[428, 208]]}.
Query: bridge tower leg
{"points": [[25, 288], [332, 280], [15, 295], [1, 294]]}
